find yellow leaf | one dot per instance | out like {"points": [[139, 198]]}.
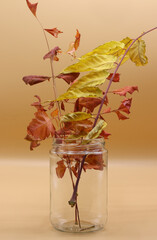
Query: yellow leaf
{"points": [[81, 92], [76, 116], [137, 53], [107, 48], [90, 63], [95, 132], [92, 79]]}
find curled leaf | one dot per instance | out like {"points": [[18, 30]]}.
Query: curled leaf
{"points": [[53, 54], [32, 7], [38, 104], [77, 116], [123, 91], [54, 32], [125, 105], [34, 79], [74, 45], [69, 77], [120, 115], [95, 132], [33, 143]]}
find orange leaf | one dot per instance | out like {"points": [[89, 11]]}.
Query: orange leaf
{"points": [[60, 170], [54, 32], [77, 40], [32, 7], [54, 113], [41, 126], [125, 90]]}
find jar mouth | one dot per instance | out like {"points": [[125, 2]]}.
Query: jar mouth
{"points": [[77, 141]]}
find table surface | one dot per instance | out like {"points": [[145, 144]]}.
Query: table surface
{"points": [[24, 202]]}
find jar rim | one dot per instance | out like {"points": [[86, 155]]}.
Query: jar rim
{"points": [[77, 141]]}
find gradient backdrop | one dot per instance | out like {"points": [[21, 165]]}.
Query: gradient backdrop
{"points": [[23, 47]]}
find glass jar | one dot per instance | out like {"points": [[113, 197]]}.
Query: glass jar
{"points": [[89, 211]]}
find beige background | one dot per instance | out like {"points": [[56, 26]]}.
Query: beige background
{"points": [[23, 47], [24, 175]]}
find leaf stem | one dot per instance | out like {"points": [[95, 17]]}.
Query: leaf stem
{"points": [[52, 71], [72, 201]]}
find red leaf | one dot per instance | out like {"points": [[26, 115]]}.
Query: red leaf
{"points": [[62, 106], [41, 126], [116, 77], [69, 77], [125, 105], [107, 110], [32, 7], [60, 170], [105, 134], [89, 103], [74, 45], [125, 90], [54, 32], [34, 79], [34, 143], [52, 54], [77, 40], [38, 104], [120, 115], [51, 105], [94, 161]]}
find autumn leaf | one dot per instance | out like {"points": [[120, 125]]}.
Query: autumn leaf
{"points": [[92, 63], [77, 116], [33, 143], [89, 103], [60, 169], [92, 79], [125, 90], [34, 79], [38, 104], [94, 161], [106, 110], [54, 113], [32, 7], [74, 45], [62, 106], [120, 115], [69, 77], [54, 32], [116, 77], [137, 53], [80, 92], [107, 48], [41, 126], [52, 54], [105, 134], [125, 105], [95, 132]]}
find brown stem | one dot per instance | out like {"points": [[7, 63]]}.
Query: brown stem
{"points": [[72, 201]]}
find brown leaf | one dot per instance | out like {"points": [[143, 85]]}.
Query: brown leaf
{"points": [[94, 161], [60, 169], [52, 54], [62, 106], [54, 32], [116, 77], [32, 7], [34, 143], [125, 90], [69, 77], [41, 126], [34, 79], [125, 105], [105, 134], [89, 103], [38, 104], [120, 115]]}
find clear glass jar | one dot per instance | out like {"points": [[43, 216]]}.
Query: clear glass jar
{"points": [[90, 210]]}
